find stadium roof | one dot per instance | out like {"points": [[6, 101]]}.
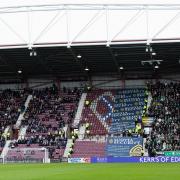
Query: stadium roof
{"points": [[52, 23], [107, 36], [101, 60]]}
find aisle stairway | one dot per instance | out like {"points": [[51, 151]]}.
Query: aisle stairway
{"points": [[5, 149], [149, 100], [21, 116], [22, 132], [79, 110], [82, 131], [68, 146]]}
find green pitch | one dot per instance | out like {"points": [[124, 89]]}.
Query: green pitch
{"points": [[90, 172]]}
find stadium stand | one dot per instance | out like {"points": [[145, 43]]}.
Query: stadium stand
{"points": [[113, 111], [165, 108], [47, 114], [128, 107], [107, 115], [11, 105], [87, 148], [96, 110], [89, 90], [110, 113]]}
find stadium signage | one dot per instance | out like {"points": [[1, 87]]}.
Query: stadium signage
{"points": [[159, 159], [172, 153], [79, 160], [125, 141], [147, 121], [124, 146]]}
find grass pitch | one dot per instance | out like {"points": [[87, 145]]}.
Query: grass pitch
{"points": [[64, 171]]}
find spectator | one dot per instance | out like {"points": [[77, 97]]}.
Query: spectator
{"points": [[165, 108]]}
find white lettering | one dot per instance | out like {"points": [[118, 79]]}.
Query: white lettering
{"points": [[163, 159], [172, 159], [141, 160], [167, 158]]}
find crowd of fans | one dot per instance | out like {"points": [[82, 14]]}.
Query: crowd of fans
{"points": [[11, 105], [2, 142], [50, 103], [47, 114], [51, 141], [165, 109]]}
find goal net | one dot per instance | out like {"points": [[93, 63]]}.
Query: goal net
{"points": [[27, 155]]}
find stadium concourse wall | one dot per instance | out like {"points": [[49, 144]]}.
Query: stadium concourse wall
{"points": [[158, 159], [104, 82]]}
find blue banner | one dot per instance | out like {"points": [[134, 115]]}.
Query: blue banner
{"points": [[159, 159], [124, 146]]}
